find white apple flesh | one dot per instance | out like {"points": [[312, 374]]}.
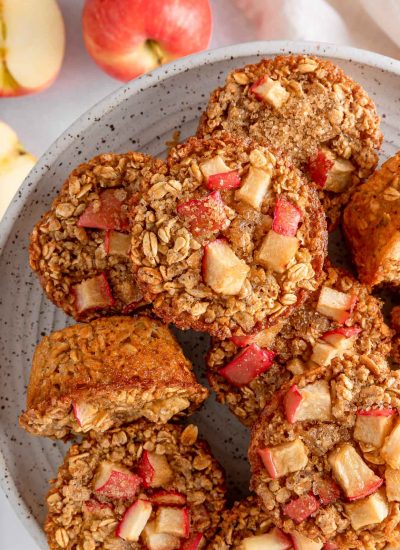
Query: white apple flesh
{"points": [[313, 402], [223, 271], [32, 47], [300, 542], [270, 91], [134, 521], [285, 458], [368, 511], [392, 479], [173, 521], [371, 428], [214, 165], [276, 251], [159, 541], [274, 540], [254, 187], [391, 449]]}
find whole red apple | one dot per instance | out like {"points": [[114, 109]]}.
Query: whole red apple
{"points": [[130, 37]]}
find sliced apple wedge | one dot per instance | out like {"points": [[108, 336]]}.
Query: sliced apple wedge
{"points": [[353, 475], [299, 509], [285, 458], [336, 305], [115, 481], [301, 542], [286, 218], [222, 270], [31, 46], [205, 215], [276, 251], [273, 540], [134, 521], [372, 426], [173, 521], [392, 479], [270, 91], [13, 171], [214, 165], [313, 402], [154, 469], [247, 365], [91, 294], [368, 511], [390, 451], [159, 541], [255, 187], [225, 180]]}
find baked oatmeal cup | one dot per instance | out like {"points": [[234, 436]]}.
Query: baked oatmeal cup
{"points": [[229, 239], [325, 455], [108, 372], [246, 526], [80, 247], [339, 319], [371, 223], [143, 486], [308, 108]]}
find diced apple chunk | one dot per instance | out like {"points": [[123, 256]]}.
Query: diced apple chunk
{"points": [[247, 365], [225, 180], [323, 354], [368, 511], [254, 187], [194, 542], [222, 270], [373, 426], [313, 402], [134, 521], [115, 481], [355, 478], [318, 168], [285, 458], [205, 215], [341, 338], [270, 91], [214, 165], [335, 304], [339, 176], [274, 540], [392, 478], [154, 469], [299, 509], [84, 414], [301, 542], [117, 243], [391, 448], [159, 541], [276, 251], [91, 294], [327, 490], [173, 521], [286, 217], [109, 212]]}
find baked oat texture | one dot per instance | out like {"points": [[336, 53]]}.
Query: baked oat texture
{"points": [[300, 91], [293, 341], [395, 315], [245, 519], [105, 373], [371, 223], [71, 525], [64, 255], [170, 250], [359, 384]]}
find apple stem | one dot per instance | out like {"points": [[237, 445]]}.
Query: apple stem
{"points": [[157, 50]]}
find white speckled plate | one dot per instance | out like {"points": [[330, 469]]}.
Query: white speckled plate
{"points": [[139, 116]]}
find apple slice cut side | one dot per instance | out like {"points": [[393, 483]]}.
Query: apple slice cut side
{"points": [[34, 43], [8, 141], [115, 481], [173, 521], [154, 470], [270, 91], [84, 413], [134, 521], [222, 270], [336, 305], [109, 212], [225, 180], [277, 251], [214, 165], [373, 425], [353, 475], [255, 187], [117, 243], [204, 216], [368, 511], [285, 458], [313, 402], [247, 365], [301, 508], [92, 294], [273, 540], [286, 218]]}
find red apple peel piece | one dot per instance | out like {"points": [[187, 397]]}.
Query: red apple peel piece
{"points": [[134, 521], [92, 294], [225, 180], [109, 215], [347, 332], [291, 402], [205, 215], [94, 506], [318, 168], [376, 412], [247, 365], [286, 218], [327, 490], [114, 481], [195, 542], [154, 469], [266, 457], [301, 508]]}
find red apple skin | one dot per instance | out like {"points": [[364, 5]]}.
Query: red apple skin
{"points": [[327, 490], [204, 215], [193, 543], [226, 180], [291, 402], [286, 218], [330, 546], [318, 168], [254, 87], [376, 412], [247, 365], [301, 508], [368, 490], [105, 289], [113, 29], [120, 485], [241, 341], [266, 457], [347, 332], [94, 506]]}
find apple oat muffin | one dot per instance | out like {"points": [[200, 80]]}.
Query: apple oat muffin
{"points": [[230, 238], [371, 224], [338, 320], [310, 109], [80, 247], [105, 373], [143, 486], [325, 455]]}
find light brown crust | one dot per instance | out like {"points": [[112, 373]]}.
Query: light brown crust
{"points": [[371, 220], [173, 281], [124, 367], [64, 255], [319, 90], [197, 475], [355, 384], [295, 339]]}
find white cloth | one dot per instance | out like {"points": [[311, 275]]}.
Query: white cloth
{"points": [[368, 24]]}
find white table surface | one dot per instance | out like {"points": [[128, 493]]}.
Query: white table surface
{"points": [[41, 118]]}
